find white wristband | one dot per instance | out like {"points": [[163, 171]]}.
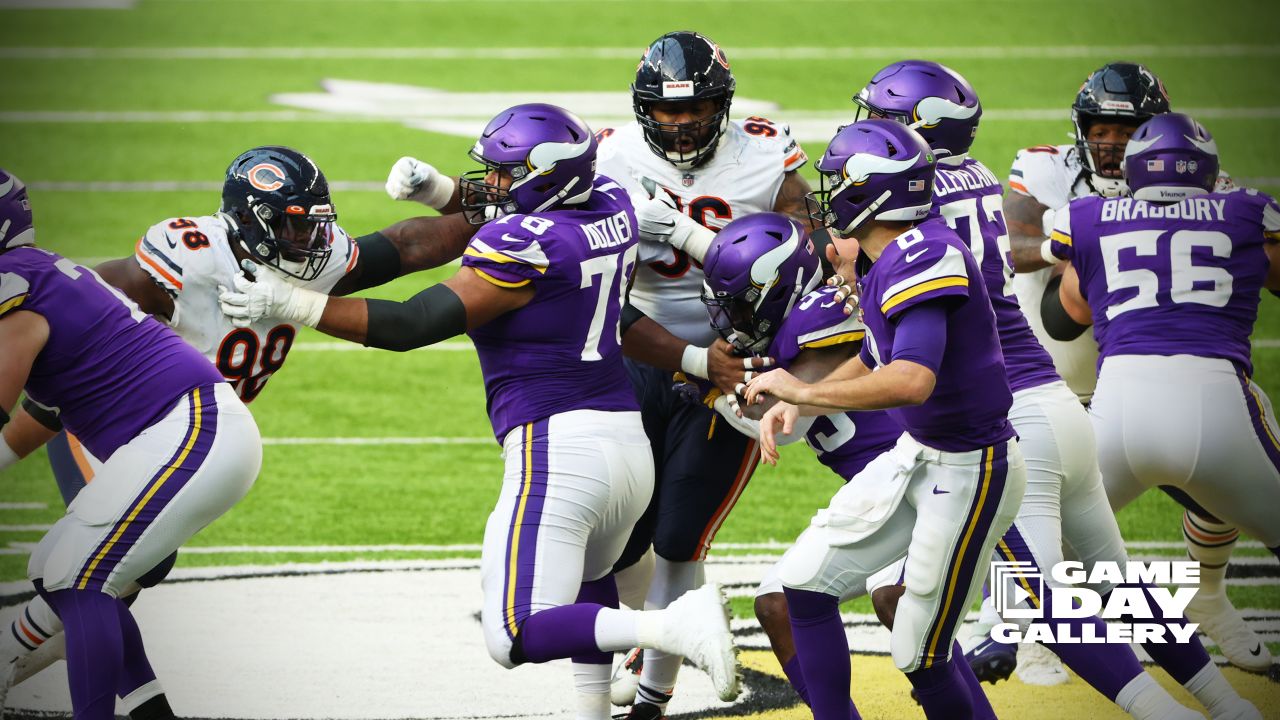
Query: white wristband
{"points": [[7, 455], [694, 361], [305, 307], [435, 193], [695, 240], [1046, 253]]}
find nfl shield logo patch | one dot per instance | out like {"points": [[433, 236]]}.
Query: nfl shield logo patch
{"points": [[1181, 166], [1155, 165], [915, 186], [687, 180]]}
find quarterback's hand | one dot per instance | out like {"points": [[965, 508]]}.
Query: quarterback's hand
{"points": [[269, 295], [844, 279], [780, 419], [776, 383], [728, 370], [412, 179], [662, 222]]}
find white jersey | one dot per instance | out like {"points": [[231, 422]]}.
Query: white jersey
{"points": [[1053, 175], [742, 178], [190, 258]]}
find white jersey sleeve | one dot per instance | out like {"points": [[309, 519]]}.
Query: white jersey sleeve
{"points": [[1044, 173]]}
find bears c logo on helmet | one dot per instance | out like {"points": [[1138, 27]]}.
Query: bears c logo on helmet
{"points": [[266, 176]]}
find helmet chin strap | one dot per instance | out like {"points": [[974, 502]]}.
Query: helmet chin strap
{"points": [[875, 205]]}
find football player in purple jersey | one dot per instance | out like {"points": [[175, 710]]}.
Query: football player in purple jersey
{"points": [[540, 293], [178, 448], [276, 208], [1170, 280], [1113, 101], [951, 486], [1065, 498], [761, 273]]}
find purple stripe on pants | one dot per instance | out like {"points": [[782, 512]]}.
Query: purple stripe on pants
{"points": [[526, 521], [964, 560], [158, 492]]}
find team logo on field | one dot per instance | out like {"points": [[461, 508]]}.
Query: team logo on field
{"points": [[1140, 607], [266, 176]]}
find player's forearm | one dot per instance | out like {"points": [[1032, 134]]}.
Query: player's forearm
{"points": [[1024, 217], [429, 242], [1026, 250], [24, 434], [897, 384], [648, 342], [433, 315]]}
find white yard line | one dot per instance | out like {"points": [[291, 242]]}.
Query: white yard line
{"points": [[799, 120], [23, 506], [25, 528], [993, 52]]}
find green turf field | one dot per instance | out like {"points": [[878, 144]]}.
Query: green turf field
{"points": [[163, 94]]}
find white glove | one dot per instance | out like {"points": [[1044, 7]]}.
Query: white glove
{"points": [[412, 179], [661, 222], [269, 295]]}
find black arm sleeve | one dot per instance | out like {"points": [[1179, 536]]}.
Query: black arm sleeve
{"points": [[4, 418], [379, 262], [47, 417], [432, 315], [1056, 321], [630, 315]]}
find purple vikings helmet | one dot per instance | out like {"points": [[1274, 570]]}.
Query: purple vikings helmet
{"points": [[16, 227], [929, 98], [549, 154], [757, 269], [1170, 158], [873, 170]]}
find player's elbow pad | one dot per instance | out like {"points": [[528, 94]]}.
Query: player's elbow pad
{"points": [[1057, 322], [379, 261], [432, 315]]}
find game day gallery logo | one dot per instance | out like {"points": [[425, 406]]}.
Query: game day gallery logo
{"points": [[1140, 608]]}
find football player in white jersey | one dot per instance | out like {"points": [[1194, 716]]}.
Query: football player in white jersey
{"points": [[276, 209], [1110, 106], [703, 170]]}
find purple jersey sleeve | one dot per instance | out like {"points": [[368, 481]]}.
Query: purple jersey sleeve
{"points": [[817, 321], [508, 252], [923, 269], [1060, 238]]}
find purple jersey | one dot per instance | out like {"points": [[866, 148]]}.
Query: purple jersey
{"points": [[969, 407], [971, 199], [110, 369], [562, 351], [844, 442], [1171, 279]]}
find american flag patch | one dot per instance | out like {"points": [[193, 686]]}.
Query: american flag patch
{"points": [[915, 185], [1155, 165]]}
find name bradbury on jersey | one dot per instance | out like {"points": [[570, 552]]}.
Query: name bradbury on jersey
{"points": [[609, 232], [1122, 209], [959, 179]]}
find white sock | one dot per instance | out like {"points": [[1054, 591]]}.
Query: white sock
{"points": [[988, 617], [1145, 699], [1212, 689], [621, 630], [34, 625], [633, 582], [1209, 542], [670, 581], [592, 685]]}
